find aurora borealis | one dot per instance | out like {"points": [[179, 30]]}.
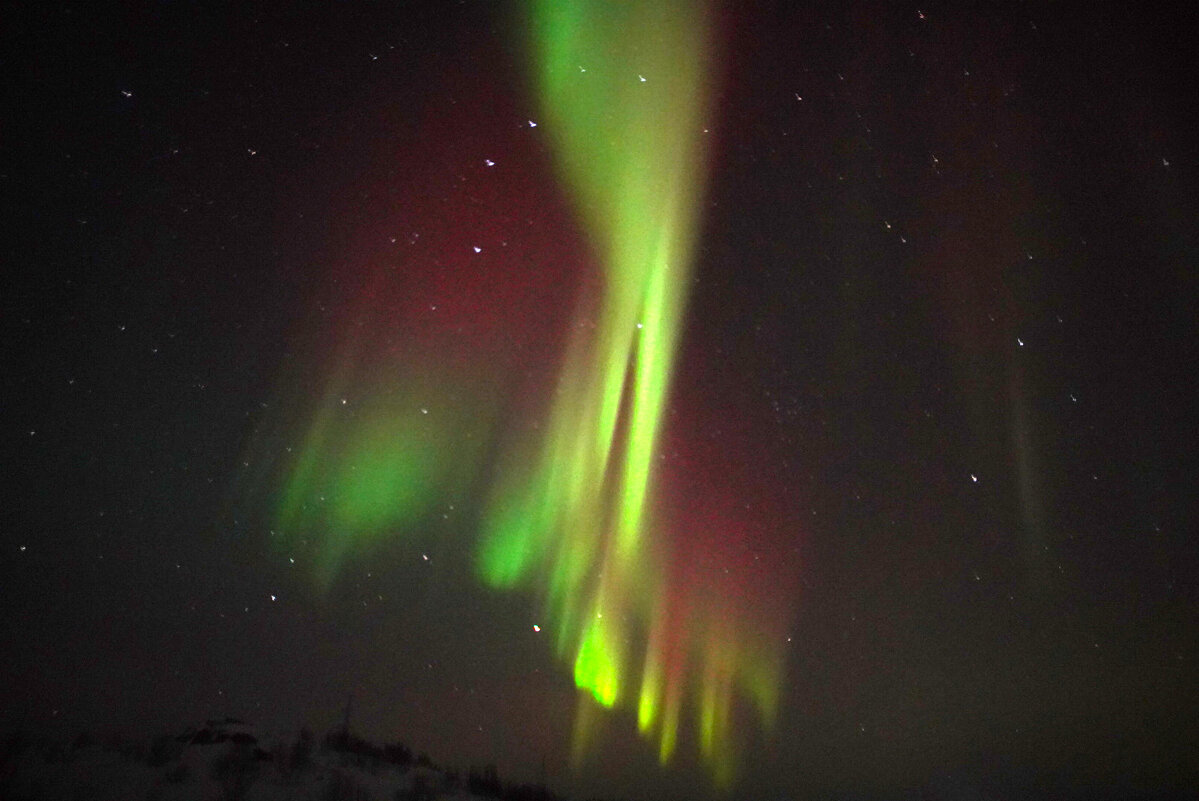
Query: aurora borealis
{"points": [[624, 91], [574, 515], [665, 401]]}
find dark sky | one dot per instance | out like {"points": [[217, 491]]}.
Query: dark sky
{"points": [[942, 327]]}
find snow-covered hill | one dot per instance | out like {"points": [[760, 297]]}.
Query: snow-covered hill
{"points": [[229, 760]]}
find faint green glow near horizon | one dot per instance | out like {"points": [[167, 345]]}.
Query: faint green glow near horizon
{"points": [[375, 464]]}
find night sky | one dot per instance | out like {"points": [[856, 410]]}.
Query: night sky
{"points": [[313, 317]]}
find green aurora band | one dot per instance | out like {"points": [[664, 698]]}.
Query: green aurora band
{"points": [[654, 616], [623, 93]]}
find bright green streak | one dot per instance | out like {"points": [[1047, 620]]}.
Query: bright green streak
{"points": [[595, 669], [622, 90], [630, 152]]}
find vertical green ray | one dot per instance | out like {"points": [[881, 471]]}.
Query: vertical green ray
{"points": [[622, 90]]}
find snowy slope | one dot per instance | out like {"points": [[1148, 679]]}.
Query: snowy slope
{"points": [[222, 761]]}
